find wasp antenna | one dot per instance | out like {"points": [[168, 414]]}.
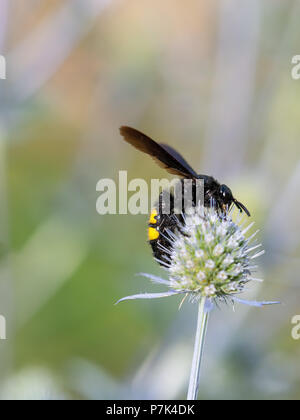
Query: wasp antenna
{"points": [[241, 207]]}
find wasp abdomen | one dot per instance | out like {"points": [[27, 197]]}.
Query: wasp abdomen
{"points": [[153, 228]]}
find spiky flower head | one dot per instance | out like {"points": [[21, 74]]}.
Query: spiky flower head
{"points": [[211, 255]]}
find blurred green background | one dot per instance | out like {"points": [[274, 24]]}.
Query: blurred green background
{"points": [[213, 79]]}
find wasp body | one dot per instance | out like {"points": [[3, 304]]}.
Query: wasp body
{"points": [[160, 223]]}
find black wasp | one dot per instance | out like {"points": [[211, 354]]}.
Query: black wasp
{"points": [[216, 194]]}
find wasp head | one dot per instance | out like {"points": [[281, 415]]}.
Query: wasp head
{"points": [[227, 199]]}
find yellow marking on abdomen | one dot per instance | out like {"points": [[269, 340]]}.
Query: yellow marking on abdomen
{"points": [[153, 215], [152, 234]]}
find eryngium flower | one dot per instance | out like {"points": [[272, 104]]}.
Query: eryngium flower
{"points": [[210, 256]]}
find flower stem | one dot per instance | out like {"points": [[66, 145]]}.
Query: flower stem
{"points": [[198, 350]]}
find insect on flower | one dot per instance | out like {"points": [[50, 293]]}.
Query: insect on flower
{"points": [[210, 256], [215, 194], [207, 255]]}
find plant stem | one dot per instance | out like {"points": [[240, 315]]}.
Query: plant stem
{"points": [[198, 350]]}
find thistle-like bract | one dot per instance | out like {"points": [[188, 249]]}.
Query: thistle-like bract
{"points": [[211, 256]]}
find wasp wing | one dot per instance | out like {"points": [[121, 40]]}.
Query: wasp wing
{"points": [[164, 156], [176, 155]]}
